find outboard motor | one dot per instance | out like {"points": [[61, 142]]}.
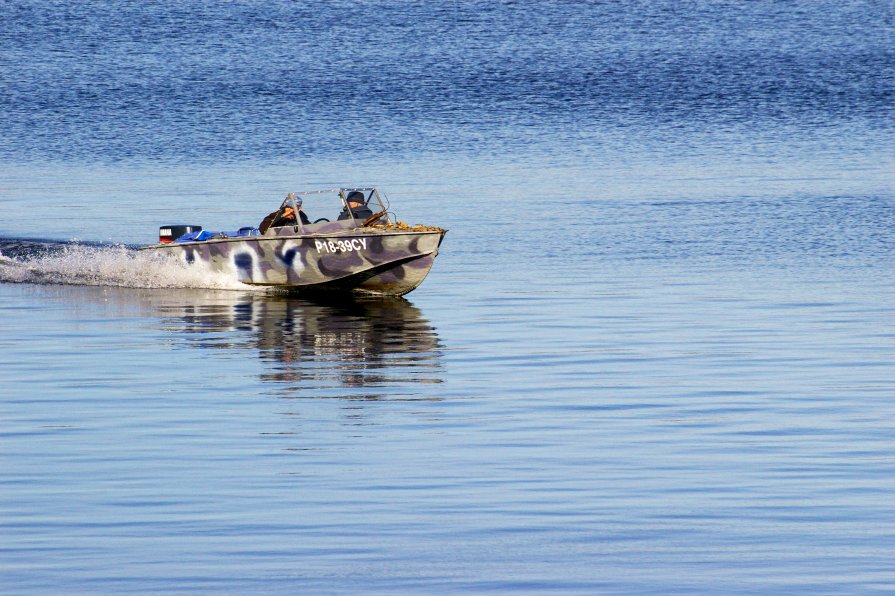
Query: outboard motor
{"points": [[168, 234]]}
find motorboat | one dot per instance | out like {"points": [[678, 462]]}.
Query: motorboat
{"points": [[364, 249]]}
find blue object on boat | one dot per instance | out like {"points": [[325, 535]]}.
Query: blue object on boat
{"points": [[201, 235], [244, 231], [195, 236]]}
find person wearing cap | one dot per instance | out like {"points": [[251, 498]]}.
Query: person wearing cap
{"points": [[358, 208], [284, 216]]}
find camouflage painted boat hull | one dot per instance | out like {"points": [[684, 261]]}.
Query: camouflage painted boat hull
{"points": [[378, 261]]}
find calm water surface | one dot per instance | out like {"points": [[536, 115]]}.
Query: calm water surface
{"points": [[655, 354]]}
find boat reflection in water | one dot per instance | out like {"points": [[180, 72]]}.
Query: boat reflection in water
{"points": [[329, 346], [318, 347]]}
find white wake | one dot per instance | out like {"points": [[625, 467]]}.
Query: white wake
{"points": [[119, 266]]}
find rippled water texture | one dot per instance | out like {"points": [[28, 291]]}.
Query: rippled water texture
{"points": [[654, 355], [125, 80]]}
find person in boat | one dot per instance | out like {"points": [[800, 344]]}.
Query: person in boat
{"points": [[358, 208], [284, 216]]}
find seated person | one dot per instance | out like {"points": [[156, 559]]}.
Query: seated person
{"points": [[284, 216], [357, 206]]}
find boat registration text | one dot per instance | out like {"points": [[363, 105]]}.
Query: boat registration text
{"points": [[332, 246]]}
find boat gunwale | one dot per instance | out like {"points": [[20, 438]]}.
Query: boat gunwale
{"points": [[313, 235]]}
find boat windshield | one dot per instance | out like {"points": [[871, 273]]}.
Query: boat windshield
{"points": [[358, 204]]}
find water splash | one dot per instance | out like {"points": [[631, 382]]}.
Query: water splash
{"points": [[76, 263]]}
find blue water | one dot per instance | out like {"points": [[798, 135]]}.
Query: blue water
{"points": [[656, 353]]}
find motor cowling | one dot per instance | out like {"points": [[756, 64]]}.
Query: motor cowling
{"points": [[168, 234]]}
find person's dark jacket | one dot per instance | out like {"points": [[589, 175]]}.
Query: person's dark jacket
{"points": [[361, 213]]}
